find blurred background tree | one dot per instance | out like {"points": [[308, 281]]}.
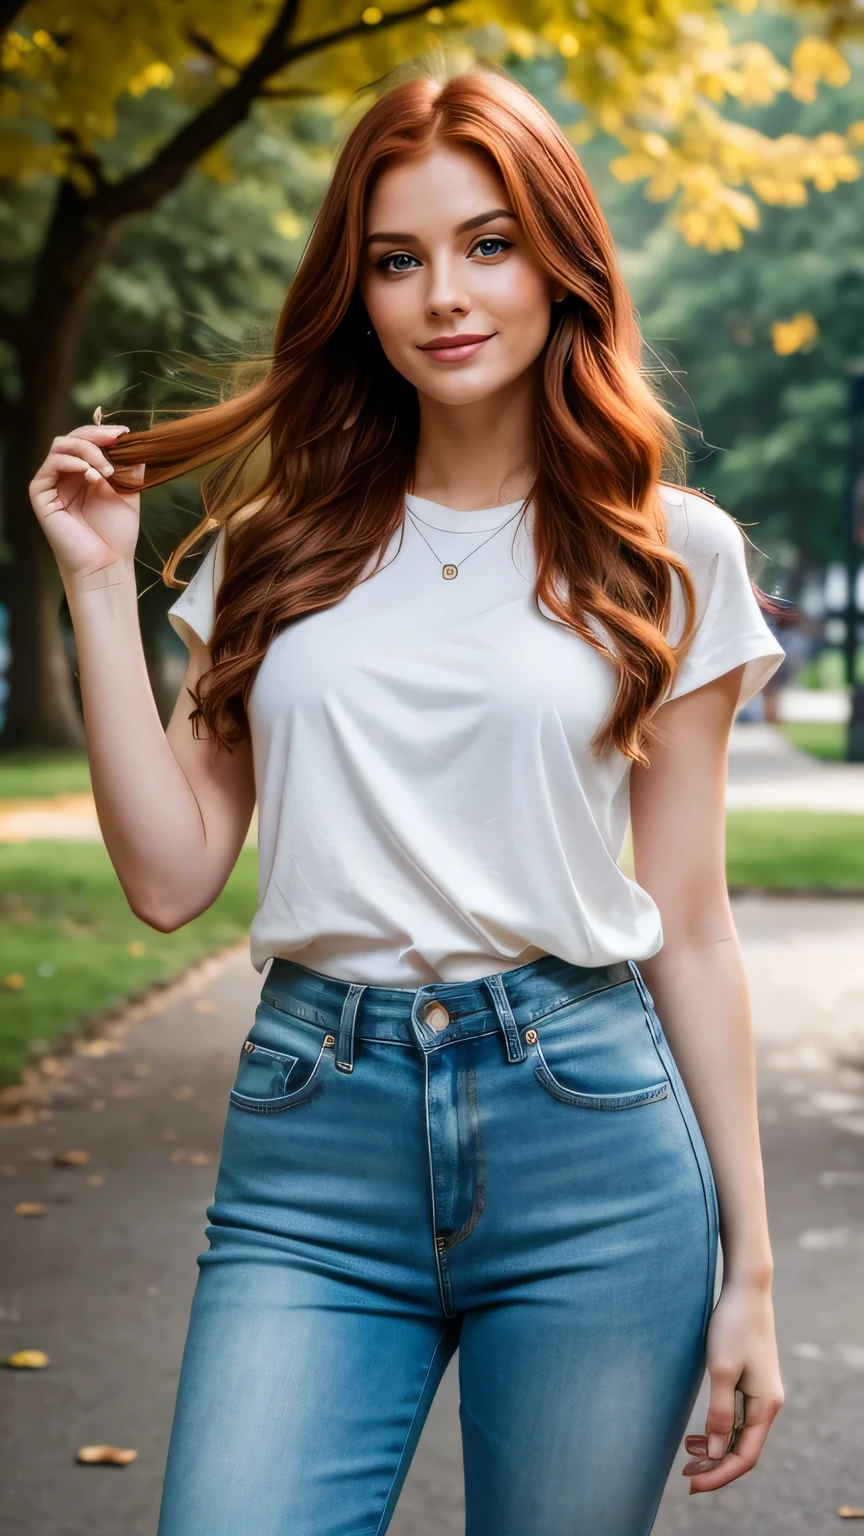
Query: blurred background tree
{"points": [[161, 167]]}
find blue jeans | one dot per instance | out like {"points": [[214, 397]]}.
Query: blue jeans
{"points": [[509, 1165]]}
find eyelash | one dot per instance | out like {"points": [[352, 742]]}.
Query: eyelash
{"points": [[499, 240]]}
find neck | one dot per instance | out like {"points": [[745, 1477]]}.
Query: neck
{"points": [[477, 455]]}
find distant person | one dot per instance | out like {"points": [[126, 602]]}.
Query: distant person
{"points": [[454, 631]]}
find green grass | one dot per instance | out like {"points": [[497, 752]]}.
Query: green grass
{"points": [[64, 928], [30, 774], [821, 738], [795, 850]]}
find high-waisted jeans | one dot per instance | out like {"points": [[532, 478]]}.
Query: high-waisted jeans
{"points": [[508, 1165]]}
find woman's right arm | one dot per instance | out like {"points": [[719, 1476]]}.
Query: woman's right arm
{"points": [[174, 811]]}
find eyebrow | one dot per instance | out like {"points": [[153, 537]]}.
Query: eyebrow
{"points": [[397, 237]]}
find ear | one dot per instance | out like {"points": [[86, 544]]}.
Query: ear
{"points": [[559, 295]]}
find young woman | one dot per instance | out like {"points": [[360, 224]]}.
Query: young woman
{"points": [[453, 631]]}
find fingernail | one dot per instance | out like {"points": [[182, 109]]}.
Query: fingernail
{"points": [[92, 474], [701, 1464], [716, 1447], [120, 429], [696, 1445], [109, 470]]}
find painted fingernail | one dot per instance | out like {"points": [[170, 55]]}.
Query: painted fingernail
{"points": [[716, 1446], [696, 1445], [701, 1464]]}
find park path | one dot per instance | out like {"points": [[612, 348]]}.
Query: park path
{"points": [[102, 1282]]}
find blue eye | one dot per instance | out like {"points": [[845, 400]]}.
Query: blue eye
{"points": [[497, 244], [395, 263]]}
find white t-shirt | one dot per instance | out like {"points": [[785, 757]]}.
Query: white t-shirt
{"points": [[429, 806]]}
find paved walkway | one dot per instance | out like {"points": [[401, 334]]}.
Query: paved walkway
{"points": [[103, 1280]]}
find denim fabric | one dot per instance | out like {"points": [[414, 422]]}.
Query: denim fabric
{"points": [[527, 1183]]}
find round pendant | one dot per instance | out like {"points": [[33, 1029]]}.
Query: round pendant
{"points": [[449, 571]]}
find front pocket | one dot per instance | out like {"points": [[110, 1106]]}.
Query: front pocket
{"points": [[599, 1052], [567, 1095], [279, 1063]]}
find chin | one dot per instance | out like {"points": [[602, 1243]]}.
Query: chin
{"points": [[462, 391]]}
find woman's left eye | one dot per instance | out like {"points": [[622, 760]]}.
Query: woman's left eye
{"points": [[491, 245]]}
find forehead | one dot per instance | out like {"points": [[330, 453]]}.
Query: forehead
{"points": [[444, 186]]}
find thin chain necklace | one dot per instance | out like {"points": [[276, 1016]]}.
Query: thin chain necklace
{"points": [[449, 569]]}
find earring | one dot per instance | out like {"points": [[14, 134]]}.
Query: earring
{"points": [[369, 332]]}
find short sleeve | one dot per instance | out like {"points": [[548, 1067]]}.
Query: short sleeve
{"points": [[731, 629], [195, 608]]}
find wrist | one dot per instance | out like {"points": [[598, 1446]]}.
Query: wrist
{"points": [[120, 573], [750, 1274]]}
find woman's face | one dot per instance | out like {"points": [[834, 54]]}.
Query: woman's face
{"points": [[452, 288]]}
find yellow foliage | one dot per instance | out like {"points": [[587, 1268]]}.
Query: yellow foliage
{"points": [[655, 74], [789, 336], [288, 224]]}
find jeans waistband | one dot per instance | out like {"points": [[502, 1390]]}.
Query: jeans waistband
{"points": [[516, 998]]}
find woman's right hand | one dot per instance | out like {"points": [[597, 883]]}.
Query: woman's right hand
{"points": [[88, 524]]}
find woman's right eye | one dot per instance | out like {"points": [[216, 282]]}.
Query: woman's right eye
{"points": [[400, 262]]}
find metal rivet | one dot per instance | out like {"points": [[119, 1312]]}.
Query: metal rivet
{"points": [[531, 1036], [248, 1046], [329, 1039]]}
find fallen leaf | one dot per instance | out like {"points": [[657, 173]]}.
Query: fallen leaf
{"points": [[106, 1455], [13, 982], [96, 1180], [846, 1512], [183, 1092], [197, 1159], [135, 947], [28, 1360], [98, 1047], [71, 1159], [29, 1208]]}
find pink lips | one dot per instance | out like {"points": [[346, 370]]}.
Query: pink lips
{"points": [[454, 349]]}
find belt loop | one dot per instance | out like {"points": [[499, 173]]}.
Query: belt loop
{"points": [[509, 1027], [345, 1040], [647, 999]]}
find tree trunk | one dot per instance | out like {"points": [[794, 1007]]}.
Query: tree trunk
{"points": [[41, 709]]}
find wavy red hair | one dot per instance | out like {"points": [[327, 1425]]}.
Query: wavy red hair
{"points": [[317, 455]]}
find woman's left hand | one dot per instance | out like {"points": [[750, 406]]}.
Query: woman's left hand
{"points": [[741, 1352]]}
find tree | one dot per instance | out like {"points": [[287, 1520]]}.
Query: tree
{"points": [[107, 113], [755, 347]]}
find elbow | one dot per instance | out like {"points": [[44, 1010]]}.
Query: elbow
{"points": [[159, 916]]}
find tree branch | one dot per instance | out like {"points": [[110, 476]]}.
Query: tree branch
{"points": [[166, 170]]}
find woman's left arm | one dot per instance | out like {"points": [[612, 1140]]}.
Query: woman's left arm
{"points": [[700, 989]]}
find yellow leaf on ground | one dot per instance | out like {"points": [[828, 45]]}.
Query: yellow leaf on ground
{"points": [[28, 1360], [71, 1159], [29, 1208], [106, 1455], [14, 982], [183, 1092], [846, 1512]]}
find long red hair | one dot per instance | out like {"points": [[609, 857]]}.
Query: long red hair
{"points": [[318, 454]]}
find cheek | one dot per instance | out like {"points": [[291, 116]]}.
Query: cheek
{"points": [[522, 299], [391, 307]]}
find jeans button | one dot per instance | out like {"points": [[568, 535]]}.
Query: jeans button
{"points": [[436, 1015], [531, 1036]]}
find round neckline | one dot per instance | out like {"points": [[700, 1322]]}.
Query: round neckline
{"points": [[484, 520]]}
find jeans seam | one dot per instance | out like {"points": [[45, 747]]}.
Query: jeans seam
{"points": [[438, 1342]]}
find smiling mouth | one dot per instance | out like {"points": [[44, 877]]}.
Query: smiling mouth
{"points": [[454, 349]]}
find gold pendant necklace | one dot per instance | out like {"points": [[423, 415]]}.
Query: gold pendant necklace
{"points": [[450, 570]]}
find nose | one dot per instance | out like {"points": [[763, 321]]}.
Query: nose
{"points": [[447, 294]]}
